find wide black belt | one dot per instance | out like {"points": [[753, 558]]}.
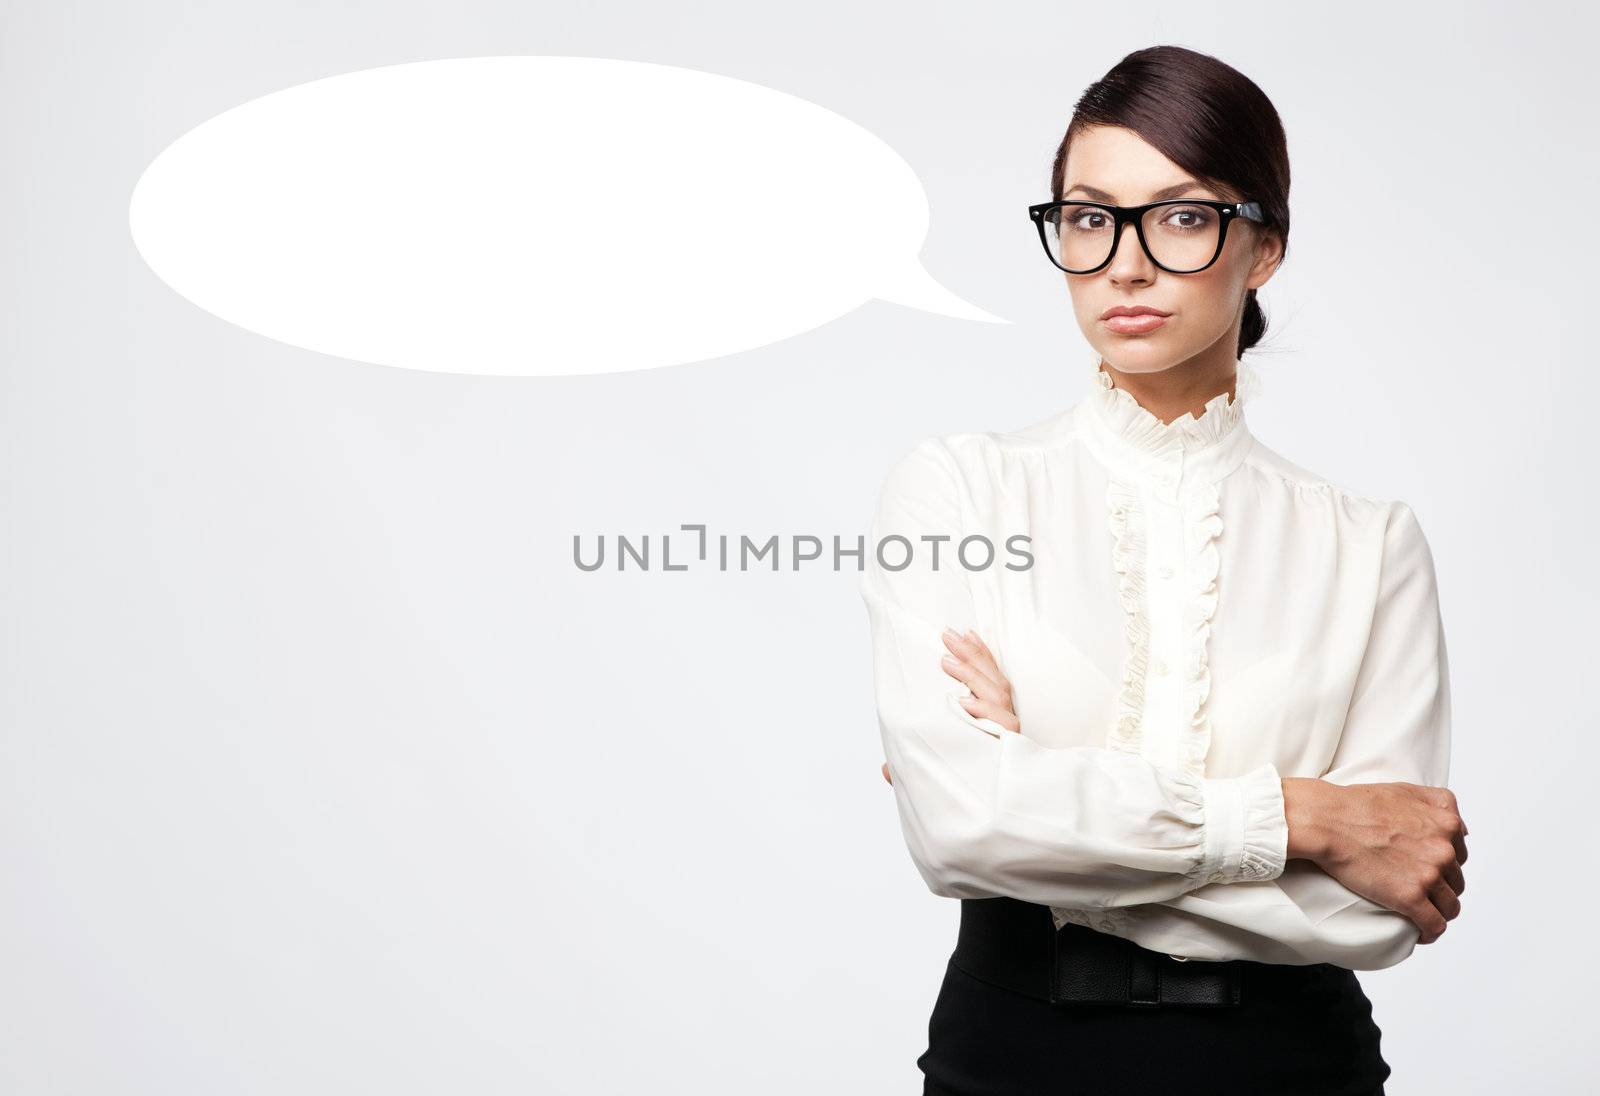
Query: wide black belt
{"points": [[1016, 945]]}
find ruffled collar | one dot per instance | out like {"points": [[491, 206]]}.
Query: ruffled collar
{"points": [[1175, 458], [1140, 429]]}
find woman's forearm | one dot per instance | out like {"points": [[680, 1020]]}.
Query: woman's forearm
{"points": [[1309, 836]]}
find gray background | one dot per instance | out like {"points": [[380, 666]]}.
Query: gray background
{"points": [[324, 768]]}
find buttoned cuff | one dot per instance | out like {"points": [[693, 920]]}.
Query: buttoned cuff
{"points": [[1246, 831]]}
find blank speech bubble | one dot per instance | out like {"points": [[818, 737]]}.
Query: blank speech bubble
{"points": [[534, 216]]}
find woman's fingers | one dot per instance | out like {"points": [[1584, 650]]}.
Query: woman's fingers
{"points": [[886, 775], [980, 683], [974, 666], [989, 700], [1441, 908], [1454, 876], [971, 650], [984, 658], [1429, 921], [986, 709]]}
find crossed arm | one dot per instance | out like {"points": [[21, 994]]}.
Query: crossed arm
{"points": [[1398, 844]]}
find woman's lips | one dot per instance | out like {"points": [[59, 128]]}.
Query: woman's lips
{"points": [[1134, 325]]}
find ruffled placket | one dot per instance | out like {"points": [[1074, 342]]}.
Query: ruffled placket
{"points": [[1164, 517], [1163, 504]]}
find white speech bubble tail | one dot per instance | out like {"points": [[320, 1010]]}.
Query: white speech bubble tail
{"points": [[914, 287]]}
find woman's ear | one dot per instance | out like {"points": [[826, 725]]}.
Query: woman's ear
{"points": [[1269, 255]]}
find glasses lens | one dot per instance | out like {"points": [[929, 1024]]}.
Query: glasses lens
{"points": [[1078, 236], [1180, 237]]}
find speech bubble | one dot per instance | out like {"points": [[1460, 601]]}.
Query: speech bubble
{"points": [[534, 216]]}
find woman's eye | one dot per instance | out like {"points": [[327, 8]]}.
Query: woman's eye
{"points": [[1192, 217]]}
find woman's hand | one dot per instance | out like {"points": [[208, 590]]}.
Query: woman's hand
{"points": [[972, 663], [1400, 845]]}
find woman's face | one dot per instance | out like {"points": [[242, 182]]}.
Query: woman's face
{"points": [[1117, 166]]}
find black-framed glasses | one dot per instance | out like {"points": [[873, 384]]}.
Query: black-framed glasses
{"points": [[1181, 235]]}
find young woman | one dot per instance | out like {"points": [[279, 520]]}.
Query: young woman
{"points": [[1168, 713]]}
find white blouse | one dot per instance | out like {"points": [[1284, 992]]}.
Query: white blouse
{"points": [[1200, 618]]}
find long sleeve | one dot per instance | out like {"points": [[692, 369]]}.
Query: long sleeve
{"points": [[1397, 728], [987, 812], [1398, 725]]}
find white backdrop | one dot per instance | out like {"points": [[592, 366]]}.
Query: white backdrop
{"points": [[326, 770]]}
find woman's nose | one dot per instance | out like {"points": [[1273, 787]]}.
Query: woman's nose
{"points": [[1130, 263]]}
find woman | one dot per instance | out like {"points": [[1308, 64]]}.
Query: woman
{"points": [[1168, 713]]}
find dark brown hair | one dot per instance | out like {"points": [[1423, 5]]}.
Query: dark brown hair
{"points": [[1209, 119]]}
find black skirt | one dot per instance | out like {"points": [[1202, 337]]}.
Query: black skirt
{"points": [[1296, 1031]]}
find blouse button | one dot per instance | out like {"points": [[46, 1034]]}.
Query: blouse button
{"points": [[1217, 877], [1161, 668], [1166, 572]]}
